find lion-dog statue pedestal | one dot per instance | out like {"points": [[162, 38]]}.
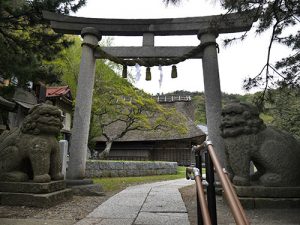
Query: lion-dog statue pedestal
{"points": [[30, 163], [274, 153]]}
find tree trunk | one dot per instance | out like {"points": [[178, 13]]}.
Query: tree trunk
{"points": [[105, 153]]}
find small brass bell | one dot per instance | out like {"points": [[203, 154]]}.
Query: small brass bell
{"points": [[148, 74], [124, 72], [174, 72]]}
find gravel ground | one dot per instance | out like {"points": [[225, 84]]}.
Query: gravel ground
{"points": [[256, 216], [74, 209]]}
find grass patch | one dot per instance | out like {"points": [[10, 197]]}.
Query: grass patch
{"points": [[268, 119], [119, 183]]}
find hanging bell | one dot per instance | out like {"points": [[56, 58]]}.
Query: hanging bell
{"points": [[148, 74], [124, 72], [174, 72]]}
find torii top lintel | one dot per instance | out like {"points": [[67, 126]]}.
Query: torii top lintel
{"points": [[228, 23]]}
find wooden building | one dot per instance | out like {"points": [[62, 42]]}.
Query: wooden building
{"points": [[155, 145], [61, 97], [23, 99]]}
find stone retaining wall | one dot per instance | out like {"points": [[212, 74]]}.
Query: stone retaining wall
{"points": [[97, 168]]}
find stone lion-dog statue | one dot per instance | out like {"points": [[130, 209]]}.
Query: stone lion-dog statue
{"points": [[274, 153], [32, 152]]}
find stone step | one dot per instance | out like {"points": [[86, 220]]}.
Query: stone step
{"points": [[267, 192], [44, 200], [255, 197], [272, 203], [30, 187]]}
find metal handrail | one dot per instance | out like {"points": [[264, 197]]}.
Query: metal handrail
{"points": [[230, 195], [237, 200], [229, 192], [201, 195]]}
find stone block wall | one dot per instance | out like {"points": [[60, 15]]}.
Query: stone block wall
{"points": [[97, 168]]}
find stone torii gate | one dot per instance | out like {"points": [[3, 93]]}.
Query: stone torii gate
{"points": [[207, 30]]}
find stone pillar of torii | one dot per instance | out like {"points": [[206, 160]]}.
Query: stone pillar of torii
{"points": [[83, 106], [206, 28]]}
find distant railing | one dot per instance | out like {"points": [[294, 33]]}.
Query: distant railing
{"points": [[173, 98], [166, 98]]}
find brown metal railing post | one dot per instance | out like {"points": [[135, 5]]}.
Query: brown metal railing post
{"points": [[231, 200], [210, 189], [205, 217], [198, 161], [201, 196], [236, 199]]}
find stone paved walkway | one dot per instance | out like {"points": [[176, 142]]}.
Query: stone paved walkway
{"points": [[148, 204]]}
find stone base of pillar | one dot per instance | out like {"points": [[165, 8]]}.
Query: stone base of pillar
{"points": [[85, 187], [71, 183]]}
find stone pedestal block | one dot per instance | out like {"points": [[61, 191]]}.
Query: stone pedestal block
{"points": [[35, 188], [268, 197], [42, 195], [63, 145], [267, 192], [273, 203]]}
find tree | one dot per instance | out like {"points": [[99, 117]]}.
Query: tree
{"points": [[284, 106], [174, 2], [119, 108], [279, 16], [199, 103], [26, 39], [67, 64], [68, 61]]}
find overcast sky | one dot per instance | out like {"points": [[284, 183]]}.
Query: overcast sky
{"points": [[236, 62]]}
